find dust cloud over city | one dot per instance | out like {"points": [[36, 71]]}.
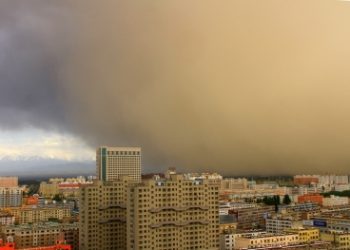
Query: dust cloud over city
{"points": [[240, 87]]}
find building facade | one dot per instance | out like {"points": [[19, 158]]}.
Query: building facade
{"points": [[262, 241], [40, 214], [175, 213], [10, 196], [8, 181], [158, 214], [40, 235], [103, 215], [114, 162]]}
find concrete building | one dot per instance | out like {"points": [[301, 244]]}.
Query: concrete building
{"points": [[48, 189], [306, 179], [6, 218], [252, 218], [306, 235], [174, 213], [8, 181], [334, 201], [40, 214], [232, 183], [278, 223], [103, 215], [43, 234], [114, 162], [321, 180], [339, 240], [226, 207], [315, 198], [10, 196], [266, 240], [228, 238], [332, 222]]}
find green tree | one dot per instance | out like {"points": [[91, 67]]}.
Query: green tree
{"points": [[57, 198], [286, 199]]}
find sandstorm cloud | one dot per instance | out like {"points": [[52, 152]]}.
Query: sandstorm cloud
{"points": [[238, 87]]}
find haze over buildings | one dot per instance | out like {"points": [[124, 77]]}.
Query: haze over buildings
{"points": [[242, 86]]}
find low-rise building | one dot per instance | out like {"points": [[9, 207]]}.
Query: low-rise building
{"points": [[40, 214], [279, 223], [10, 197], [8, 181], [314, 198], [232, 183], [265, 240], [334, 201], [41, 234], [228, 237], [48, 190], [252, 218], [6, 218], [338, 240], [306, 235]]}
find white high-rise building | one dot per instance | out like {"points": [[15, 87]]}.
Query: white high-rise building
{"points": [[114, 162]]}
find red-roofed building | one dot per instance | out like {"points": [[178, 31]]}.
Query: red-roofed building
{"points": [[314, 198], [31, 200]]}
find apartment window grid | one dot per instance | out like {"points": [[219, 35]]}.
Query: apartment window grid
{"points": [[115, 162]]}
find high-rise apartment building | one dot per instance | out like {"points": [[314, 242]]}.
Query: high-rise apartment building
{"points": [[175, 213], [114, 162], [103, 215]]}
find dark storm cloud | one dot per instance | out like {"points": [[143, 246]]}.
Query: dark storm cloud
{"points": [[32, 45], [236, 87]]}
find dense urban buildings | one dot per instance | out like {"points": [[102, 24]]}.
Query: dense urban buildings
{"points": [[41, 234], [119, 210]]}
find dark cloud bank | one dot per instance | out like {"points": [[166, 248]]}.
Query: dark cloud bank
{"points": [[239, 87]]}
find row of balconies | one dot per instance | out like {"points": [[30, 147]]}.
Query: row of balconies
{"points": [[179, 224], [157, 210], [122, 206], [111, 220]]}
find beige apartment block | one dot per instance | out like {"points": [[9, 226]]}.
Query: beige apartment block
{"points": [[157, 214], [6, 218], [103, 215], [8, 181], [339, 240], [172, 214], [266, 241], [114, 162], [40, 214], [306, 235], [10, 197], [48, 190], [41, 234]]}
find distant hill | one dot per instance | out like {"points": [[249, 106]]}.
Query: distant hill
{"points": [[43, 167]]}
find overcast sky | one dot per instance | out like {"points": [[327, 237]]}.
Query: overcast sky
{"points": [[237, 87]]}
